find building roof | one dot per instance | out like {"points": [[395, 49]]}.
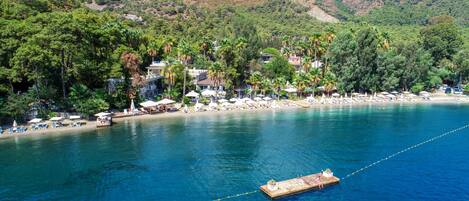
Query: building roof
{"points": [[157, 65], [294, 60], [209, 82]]}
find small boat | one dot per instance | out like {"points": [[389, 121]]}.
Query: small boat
{"points": [[280, 189], [103, 119]]}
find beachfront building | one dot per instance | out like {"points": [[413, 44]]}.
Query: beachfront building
{"points": [[295, 61], [194, 74], [203, 81], [156, 69], [152, 82]]}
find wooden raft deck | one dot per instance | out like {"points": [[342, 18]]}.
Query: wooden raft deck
{"points": [[299, 185]]}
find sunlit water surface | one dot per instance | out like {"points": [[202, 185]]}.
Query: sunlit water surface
{"points": [[208, 157]]}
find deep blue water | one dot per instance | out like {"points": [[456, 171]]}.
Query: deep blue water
{"points": [[203, 158]]}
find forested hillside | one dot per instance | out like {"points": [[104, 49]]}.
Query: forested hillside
{"points": [[58, 55]]}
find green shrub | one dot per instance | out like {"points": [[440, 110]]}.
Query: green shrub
{"points": [[417, 88]]}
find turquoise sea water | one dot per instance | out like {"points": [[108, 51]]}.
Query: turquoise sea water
{"points": [[208, 157]]}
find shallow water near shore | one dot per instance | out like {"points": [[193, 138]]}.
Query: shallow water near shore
{"points": [[209, 157]]}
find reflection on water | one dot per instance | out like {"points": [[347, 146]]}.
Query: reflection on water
{"points": [[90, 176], [207, 157]]}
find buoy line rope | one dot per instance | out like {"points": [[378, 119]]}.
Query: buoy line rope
{"points": [[372, 164], [237, 195], [404, 150]]}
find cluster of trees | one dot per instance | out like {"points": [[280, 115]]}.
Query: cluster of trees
{"points": [[57, 56], [364, 60]]}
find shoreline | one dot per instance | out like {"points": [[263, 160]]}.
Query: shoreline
{"points": [[286, 105]]}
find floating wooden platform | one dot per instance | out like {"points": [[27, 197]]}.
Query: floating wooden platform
{"points": [[299, 185]]}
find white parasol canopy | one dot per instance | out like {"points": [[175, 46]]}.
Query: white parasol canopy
{"points": [[213, 104], [102, 114], [149, 104], [267, 98], [73, 117], [208, 93], [257, 98], [423, 92], [222, 101], [246, 99], [233, 100], [192, 94], [56, 119], [335, 95], [33, 121], [165, 102]]}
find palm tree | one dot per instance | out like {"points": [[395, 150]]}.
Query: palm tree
{"points": [[306, 64], [168, 45], [329, 82], [278, 84], [168, 73], [314, 78], [266, 85], [216, 73], [329, 37], [255, 81], [301, 81], [317, 47]]}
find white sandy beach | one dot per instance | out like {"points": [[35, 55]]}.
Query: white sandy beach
{"points": [[283, 105]]}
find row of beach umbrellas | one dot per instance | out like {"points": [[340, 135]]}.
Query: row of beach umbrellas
{"points": [[150, 103]]}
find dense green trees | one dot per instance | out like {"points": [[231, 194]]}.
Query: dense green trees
{"points": [[441, 38], [53, 51]]}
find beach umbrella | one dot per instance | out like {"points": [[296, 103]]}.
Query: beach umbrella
{"points": [[149, 104], [222, 101], [394, 92], [212, 104], [423, 92], [208, 93], [246, 99], [335, 95], [221, 93], [260, 95], [233, 100], [74, 117], [56, 119], [14, 123], [267, 98], [165, 102], [192, 94], [257, 99], [390, 96], [102, 114], [132, 106], [384, 93], [33, 121], [406, 92]]}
